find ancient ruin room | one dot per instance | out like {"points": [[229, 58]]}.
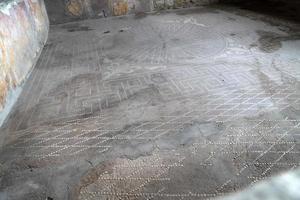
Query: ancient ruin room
{"points": [[149, 99]]}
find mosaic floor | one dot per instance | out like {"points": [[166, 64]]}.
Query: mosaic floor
{"points": [[189, 105]]}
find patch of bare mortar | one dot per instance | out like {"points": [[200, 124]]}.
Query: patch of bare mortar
{"points": [[198, 11], [75, 27], [190, 133], [81, 28], [140, 15], [270, 42]]}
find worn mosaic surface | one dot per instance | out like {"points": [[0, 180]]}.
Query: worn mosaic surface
{"points": [[189, 105]]}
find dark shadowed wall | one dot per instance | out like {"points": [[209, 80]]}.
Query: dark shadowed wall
{"points": [[284, 9]]}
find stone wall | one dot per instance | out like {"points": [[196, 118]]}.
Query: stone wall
{"points": [[61, 11], [23, 31], [176, 4]]}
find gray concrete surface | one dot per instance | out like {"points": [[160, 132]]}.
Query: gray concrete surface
{"points": [[193, 104]]}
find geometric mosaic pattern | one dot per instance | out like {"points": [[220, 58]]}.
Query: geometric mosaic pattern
{"points": [[163, 107], [71, 137], [154, 177]]}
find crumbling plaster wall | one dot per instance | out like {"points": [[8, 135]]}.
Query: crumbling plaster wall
{"points": [[61, 11], [24, 29]]}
